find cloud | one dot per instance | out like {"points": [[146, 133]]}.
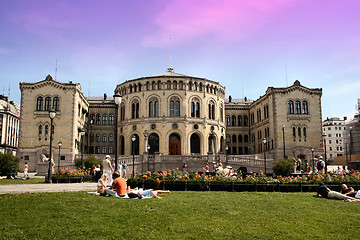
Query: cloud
{"points": [[186, 19]]}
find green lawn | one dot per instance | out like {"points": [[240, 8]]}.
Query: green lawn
{"points": [[20, 181], [180, 215]]}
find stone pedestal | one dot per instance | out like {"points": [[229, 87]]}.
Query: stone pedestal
{"points": [[42, 168]]}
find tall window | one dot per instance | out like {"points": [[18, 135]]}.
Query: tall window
{"points": [[111, 119], [168, 85], [233, 120], [174, 107], [104, 137], [221, 111], [234, 138], [104, 119], [39, 104], [98, 119], [111, 137], [46, 130], [246, 138], [291, 107], [181, 85], [304, 133], [246, 121], [47, 103], [175, 85], [153, 107], [135, 107], [195, 107], [297, 107], [40, 130], [239, 120], [294, 133], [110, 150], [56, 103], [305, 107], [228, 138], [211, 110], [103, 150], [97, 137], [122, 112], [227, 120], [240, 138]]}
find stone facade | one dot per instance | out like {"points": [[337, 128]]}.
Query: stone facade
{"points": [[9, 125]]}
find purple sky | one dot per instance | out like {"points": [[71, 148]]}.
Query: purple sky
{"points": [[245, 45]]}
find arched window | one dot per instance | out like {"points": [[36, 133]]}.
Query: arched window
{"points": [[297, 107], [240, 138], [246, 121], [111, 119], [147, 86], [139, 87], [195, 107], [122, 112], [92, 137], [104, 137], [97, 137], [200, 87], [246, 138], [195, 86], [291, 107], [239, 120], [103, 150], [130, 89], [39, 103], [135, 108], [299, 133], [304, 133], [294, 133], [175, 85], [46, 130], [211, 110], [190, 86], [153, 85], [40, 130], [234, 138], [104, 119], [174, 107], [47, 103], [111, 137], [56, 104], [98, 119], [228, 138], [110, 150], [135, 88], [153, 107], [168, 84], [233, 120], [305, 107], [181, 85], [227, 120], [159, 85]]}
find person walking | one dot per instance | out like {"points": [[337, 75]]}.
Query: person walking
{"points": [[26, 169], [320, 165], [108, 169], [124, 166]]}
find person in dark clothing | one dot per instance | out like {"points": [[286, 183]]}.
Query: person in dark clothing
{"points": [[325, 192]]}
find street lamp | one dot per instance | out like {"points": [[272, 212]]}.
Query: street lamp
{"points": [[351, 147], [117, 100], [82, 133], [264, 142], [283, 130], [324, 137], [226, 153], [133, 138], [148, 149], [313, 161], [90, 138], [59, 144], [52, 115]]}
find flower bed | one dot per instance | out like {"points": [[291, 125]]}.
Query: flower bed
{"points": [[182, 181], [72, 176]]}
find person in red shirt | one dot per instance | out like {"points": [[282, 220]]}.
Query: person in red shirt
{"points": [[118, 188]]}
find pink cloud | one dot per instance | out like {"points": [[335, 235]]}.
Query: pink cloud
{"points": [[186, 19]]}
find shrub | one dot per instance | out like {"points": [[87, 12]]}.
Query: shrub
{"points": [[89, 162], [283, 167], [8, 163]]}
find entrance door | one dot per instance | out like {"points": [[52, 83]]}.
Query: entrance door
{"points": [[153, 143], [195, 143], [174, 145]]}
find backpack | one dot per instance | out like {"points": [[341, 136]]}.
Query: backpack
{"points": [[319, 165]]}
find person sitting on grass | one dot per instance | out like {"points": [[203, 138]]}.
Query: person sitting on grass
{"points": [[101, 184], [325, 192], [118, 188]]}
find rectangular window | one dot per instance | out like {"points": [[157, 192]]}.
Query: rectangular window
{"points": [[26, 157], [103, 149], [110, 150], [62, 158]]}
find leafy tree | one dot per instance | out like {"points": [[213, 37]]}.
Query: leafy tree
{"points": [[89, 162], [8, 163], [283, 167]]}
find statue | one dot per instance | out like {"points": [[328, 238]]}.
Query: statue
{"points": [[43, 158]]}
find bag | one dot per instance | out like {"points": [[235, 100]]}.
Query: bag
{"points": [[319, 165]]}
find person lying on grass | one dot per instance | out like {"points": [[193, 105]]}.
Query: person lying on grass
{"points": [[325, 192], [148, 193]]}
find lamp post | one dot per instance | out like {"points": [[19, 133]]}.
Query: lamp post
{"points": [[312, 156], [90, 138], [351, 147], [283, 130], [226, 153], [52, 115], [264, 142], [117, 100], [82, 133], [324, 137], [59, 144], [148, 149], [133, 138]]}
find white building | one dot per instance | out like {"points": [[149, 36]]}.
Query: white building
{"points": [[333, 134]]}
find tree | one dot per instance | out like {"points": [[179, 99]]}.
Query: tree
{"points": [[89, 162], [8, 163], [283, 167]]}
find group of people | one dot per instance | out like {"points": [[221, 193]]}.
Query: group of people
{"points": [[348, 194], [319, 167], [112, 183], [109, 168]]}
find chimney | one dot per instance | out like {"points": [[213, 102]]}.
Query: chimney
{"points": [[230, 99], [105, 96], [345, 118]]}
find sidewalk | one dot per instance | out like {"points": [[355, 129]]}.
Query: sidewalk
{"points": [[54, 187]]}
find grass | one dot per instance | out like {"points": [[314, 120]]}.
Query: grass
{"points": [[20, 181], [180, 215]]}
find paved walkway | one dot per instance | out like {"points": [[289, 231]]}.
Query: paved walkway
{"points": [[54, 187]]}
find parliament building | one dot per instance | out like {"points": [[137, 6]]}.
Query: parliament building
{"points": [[169, 115]]}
